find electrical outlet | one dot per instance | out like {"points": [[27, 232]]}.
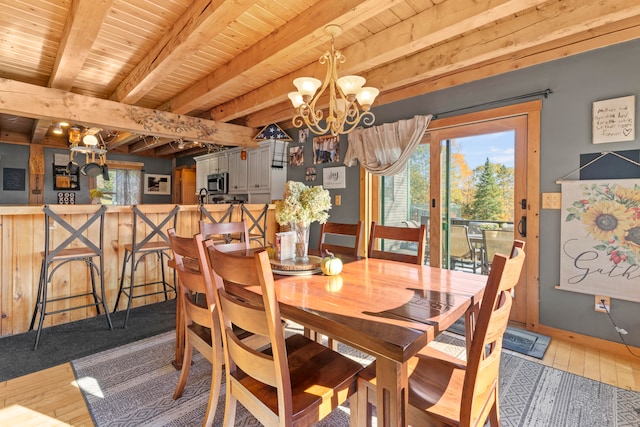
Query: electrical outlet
{"points": [[338, 199], [603, 307]]}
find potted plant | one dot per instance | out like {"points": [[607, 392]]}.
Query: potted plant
{"points": [[96, 196], [300, 206]]}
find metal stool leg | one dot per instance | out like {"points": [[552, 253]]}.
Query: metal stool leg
{"points": [[43, 305], [134, 264], [127, 254], [38, 298]]}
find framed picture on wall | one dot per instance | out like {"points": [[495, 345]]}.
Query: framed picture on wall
{"points": [[334, 177], [157, 184]]}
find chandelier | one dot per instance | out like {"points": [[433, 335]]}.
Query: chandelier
{"points": [[344, 113]]}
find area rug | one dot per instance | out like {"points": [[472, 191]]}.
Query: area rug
{"points": [[519, 340], [133, 385]]}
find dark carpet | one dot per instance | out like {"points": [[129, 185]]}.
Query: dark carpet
{"points": [[64, 343]]}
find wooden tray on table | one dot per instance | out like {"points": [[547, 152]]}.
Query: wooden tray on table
{"points": [[290, 267]]}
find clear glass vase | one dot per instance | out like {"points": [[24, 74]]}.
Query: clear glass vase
{"points": [[302, 240]]}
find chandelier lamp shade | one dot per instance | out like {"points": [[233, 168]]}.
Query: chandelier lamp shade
{"points": [[349, 102]]}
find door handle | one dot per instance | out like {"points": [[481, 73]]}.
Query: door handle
{"points": [[522, 226]]}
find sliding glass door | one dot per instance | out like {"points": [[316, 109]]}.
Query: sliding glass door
{"points": [[467, 182]]}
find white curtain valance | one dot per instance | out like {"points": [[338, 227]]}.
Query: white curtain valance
{"points": [[386, 149]]}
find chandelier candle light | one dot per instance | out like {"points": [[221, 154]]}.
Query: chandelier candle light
{"points": [[344, 114]]}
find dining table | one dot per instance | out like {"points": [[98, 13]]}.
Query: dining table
{"points": [[387, 309]]}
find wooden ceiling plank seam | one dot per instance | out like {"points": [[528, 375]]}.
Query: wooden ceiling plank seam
{"points": [[301, 32]]}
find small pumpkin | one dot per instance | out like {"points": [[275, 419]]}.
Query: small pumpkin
{"points": [[331, 265], [271, 251]]}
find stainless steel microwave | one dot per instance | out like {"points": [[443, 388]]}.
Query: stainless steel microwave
{"points": [[218, 183]]}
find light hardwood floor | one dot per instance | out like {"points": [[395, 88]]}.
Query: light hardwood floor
{"points": [[50, 397]]}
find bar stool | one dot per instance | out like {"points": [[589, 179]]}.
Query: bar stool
{"points": [[139, 249], [204, 225], [87, 246], [257, 224], [204, 213]]}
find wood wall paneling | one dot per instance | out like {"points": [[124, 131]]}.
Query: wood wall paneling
{"points": [[21, 258]]}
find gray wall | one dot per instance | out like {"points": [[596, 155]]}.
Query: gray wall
{"points": [[14, 157], [577, 82], [17, 157]]}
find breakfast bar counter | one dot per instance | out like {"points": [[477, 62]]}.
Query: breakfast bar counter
{"points": [[22, 241]]}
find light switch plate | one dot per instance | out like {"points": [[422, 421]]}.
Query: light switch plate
{"points": [[551, 200]]}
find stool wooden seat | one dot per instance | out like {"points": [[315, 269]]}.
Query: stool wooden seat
{"points": [[142, 246], [90, 235]]}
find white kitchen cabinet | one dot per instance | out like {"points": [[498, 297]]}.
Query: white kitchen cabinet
{"points": [[208, 164], [238, 176], [202, 170], [259, 160], [255, 176], [219, 163]]}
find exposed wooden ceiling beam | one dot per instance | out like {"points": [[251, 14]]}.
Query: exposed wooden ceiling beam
{"points": [[610, 34], [80, 32], [426, 29], [204, 20], [305, 30], [37, 102], [549, 22]]}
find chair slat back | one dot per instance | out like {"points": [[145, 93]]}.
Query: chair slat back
{"points": [[405, 234], [334, 229], [230, 236], [483, 363], [194, 277], [264, 320]]}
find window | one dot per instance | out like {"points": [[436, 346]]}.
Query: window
{"points": [[124, 186]]}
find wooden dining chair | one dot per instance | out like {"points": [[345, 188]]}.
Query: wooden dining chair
{"points": [[233, 236], [296, 381], [198, 320], [404, 234], [335, 236], [445, 390]]}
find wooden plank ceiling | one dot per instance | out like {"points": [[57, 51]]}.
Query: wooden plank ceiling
{"points": [[139, 68]]}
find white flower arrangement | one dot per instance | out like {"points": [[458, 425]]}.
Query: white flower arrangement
{"points": [[302, 204]]}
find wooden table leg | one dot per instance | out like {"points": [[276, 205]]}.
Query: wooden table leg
{"points": [[392, 394]]}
